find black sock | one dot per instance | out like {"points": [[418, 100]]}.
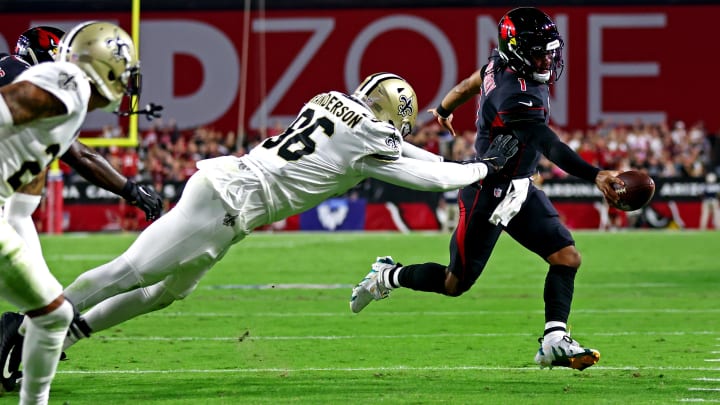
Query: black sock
{"points": [[428, 277], [559, 287]]}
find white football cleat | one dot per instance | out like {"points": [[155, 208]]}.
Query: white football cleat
{"points": [[565, 352], [372, 287]]}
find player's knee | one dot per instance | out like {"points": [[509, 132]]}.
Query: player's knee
{"points": [[567, 256], [455, 289], [184, 294], [158, 296], [162, 295], [574, 259], [453, 292], [55, 319]]}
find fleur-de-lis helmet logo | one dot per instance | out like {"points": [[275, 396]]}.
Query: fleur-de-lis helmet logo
{"points": [[405, 107]]}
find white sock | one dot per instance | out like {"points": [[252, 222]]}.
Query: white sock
{"points": [[18, 212], [41, 352], [557, 334]]}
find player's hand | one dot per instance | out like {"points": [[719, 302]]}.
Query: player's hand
{"points": [[501, 149], [444, 122], [144, 198], [604, 182]]}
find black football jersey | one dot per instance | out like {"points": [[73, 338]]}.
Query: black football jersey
{"points": [[10, 67], [507, 101]]}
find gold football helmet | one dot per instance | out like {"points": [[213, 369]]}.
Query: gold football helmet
{"points": [[107, 55], [391, 99]]}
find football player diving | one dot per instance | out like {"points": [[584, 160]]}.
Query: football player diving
{"points": [[336, 141]]}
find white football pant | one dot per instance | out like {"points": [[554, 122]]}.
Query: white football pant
{"points": [[167, 260], [26, 282]]}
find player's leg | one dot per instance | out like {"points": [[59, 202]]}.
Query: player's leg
{"points": [[19, 208], [193, 230], [472, 241], [122, 307], [538, 228], [26, 282], [164, 264]]}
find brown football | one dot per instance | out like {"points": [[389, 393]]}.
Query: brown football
{"points": [[637, 192]]}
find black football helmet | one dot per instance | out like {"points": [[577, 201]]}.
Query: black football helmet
{"points": [[526, 34], [38, 44]]}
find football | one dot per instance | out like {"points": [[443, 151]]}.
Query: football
{"points": [[637, 192]]}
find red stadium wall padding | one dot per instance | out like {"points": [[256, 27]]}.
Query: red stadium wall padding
{"points": [[419, 216], [578, 216], [100, 218], [378, 218], [414, 216]]}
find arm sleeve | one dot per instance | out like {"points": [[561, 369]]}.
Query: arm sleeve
{"points": [[414, 152], [557, 151], [422, 175]]}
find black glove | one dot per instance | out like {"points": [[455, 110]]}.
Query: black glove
{"points": [[144, 198], [501, 149]]}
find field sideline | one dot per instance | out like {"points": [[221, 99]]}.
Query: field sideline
{"points": [[271, 324]]}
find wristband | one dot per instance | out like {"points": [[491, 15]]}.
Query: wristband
{"points": [[442, 112], [127, 189]]}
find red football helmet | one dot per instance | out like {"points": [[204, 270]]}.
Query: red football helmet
{"points": [[38, 44]]}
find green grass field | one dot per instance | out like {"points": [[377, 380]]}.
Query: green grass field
{"points": [[270, 324]]}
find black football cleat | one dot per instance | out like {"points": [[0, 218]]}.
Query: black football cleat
{"points": [[11, 343]]}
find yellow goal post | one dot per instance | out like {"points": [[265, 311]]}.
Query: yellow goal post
{"points": [[132, 139], [54, 185]]}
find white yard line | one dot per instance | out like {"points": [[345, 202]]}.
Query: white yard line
{"points": [[336, 286], [366, 337], [348, 314], [364, 369]]}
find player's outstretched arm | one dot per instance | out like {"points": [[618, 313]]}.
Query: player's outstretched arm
{"points": [[424, 175], [568, 160], [96, 169], [462, 92]]}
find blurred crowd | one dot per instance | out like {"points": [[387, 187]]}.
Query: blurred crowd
{"points": [[166, 153], [662, 150]]}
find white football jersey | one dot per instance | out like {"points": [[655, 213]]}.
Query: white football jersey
{"points": [[334, 143], [26, 149]]}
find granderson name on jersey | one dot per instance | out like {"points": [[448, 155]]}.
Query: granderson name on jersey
{"points": [[336, 107]]}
